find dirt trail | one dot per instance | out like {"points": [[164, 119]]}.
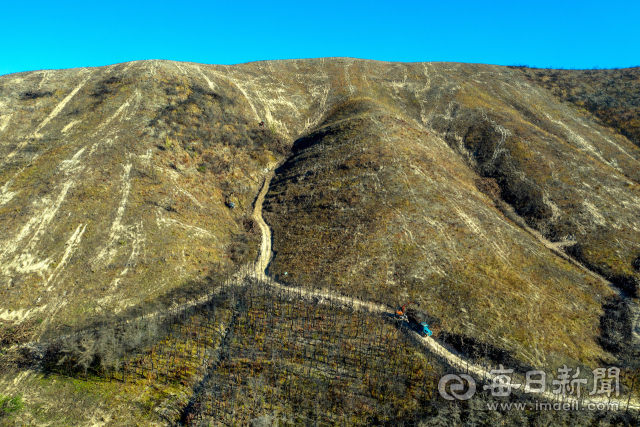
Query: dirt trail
{"points": [[429, 343], [257, 271], [265, 247], [555, 247]]}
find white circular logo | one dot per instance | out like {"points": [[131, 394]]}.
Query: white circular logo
{"points": [[457, 385]]}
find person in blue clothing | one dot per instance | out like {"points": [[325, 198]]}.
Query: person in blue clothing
{"points": [[426, 330]]}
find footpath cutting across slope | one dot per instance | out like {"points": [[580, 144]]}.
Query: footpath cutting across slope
{"points": [[465, 366], [258, 269]]}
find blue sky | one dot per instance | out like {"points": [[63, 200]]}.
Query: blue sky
{"points": [[53, 34]]}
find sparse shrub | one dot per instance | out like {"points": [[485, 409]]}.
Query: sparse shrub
{"points": [[206, 119], [10, 405], [488, 186], [103, 346], [16, 333], [610, 95], [102, 91], [250, 225], [106, 87], [34, 95], [112, 80], [239, 249]]}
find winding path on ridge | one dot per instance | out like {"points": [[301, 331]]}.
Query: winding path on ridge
{"points": [[257, 270], [430, 344]]}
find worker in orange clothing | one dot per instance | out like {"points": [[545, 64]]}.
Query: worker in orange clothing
{"points": [[401, 311]]}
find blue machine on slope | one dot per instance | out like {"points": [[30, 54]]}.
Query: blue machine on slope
{"points": [[425, 329], [411, 317]]}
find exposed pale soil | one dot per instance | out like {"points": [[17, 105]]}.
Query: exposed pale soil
{"points": [[469, 188]]}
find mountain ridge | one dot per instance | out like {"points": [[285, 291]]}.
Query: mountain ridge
{"points": [[396, 182]]}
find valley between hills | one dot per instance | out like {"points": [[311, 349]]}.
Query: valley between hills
{"points": [[226, 245]]}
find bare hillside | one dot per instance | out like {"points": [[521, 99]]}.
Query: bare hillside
{"points": [[511, 216]]}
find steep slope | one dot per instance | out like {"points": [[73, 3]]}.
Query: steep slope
{"points": [[610, 95], [373, 199], [401, 181], [114, 187], [569, 177]]}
